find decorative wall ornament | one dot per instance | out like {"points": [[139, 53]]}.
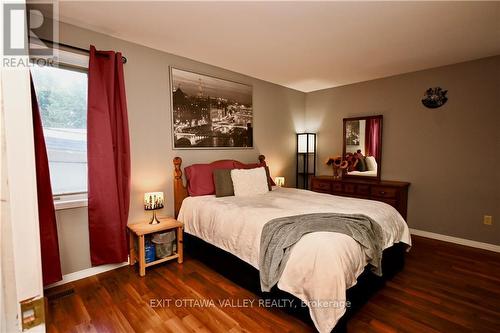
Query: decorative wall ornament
{"points": [[434, 98]]}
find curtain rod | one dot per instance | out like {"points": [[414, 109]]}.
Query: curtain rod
{"points": [[124, 60]]}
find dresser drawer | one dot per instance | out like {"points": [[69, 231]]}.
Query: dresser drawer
{"points": [[384, 192], [321, 186], [392, 202], [393, 193], [337, 187], [349, 188], [363, 189]]}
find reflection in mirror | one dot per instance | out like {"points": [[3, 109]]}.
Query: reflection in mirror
{"points": [[362, 145]]}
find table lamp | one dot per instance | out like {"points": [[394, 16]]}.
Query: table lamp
{"points": [[280, 181], [153, 201]]}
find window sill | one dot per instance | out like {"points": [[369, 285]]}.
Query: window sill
{"points": [[70, 204]]}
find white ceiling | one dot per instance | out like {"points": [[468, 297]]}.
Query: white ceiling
{"points": [[303, 45]]}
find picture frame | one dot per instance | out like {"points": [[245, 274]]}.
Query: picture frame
{"points": [[352, 133], [210, 112]]}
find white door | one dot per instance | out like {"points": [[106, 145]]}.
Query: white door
{"points": [[20, 259]]}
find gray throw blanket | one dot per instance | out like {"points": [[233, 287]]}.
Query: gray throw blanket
{"points": [[279, 235]]}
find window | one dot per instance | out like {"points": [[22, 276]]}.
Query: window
{"points": [[62, 99]]}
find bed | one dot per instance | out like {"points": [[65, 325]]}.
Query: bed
{"points": [[322, 265]]}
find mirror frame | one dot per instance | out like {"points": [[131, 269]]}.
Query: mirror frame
{"points": [[379, 163]]}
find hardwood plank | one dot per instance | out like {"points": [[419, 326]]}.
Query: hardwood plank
{"points": [[443, 288]]}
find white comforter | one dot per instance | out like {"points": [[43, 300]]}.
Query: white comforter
{"points": [[322, 265]]}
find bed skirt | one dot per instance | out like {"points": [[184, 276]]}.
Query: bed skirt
{"points": [[247, 277]]}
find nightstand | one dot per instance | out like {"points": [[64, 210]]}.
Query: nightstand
{"points": [[140, 230]]}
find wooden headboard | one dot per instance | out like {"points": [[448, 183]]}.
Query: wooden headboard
{"points": [[180, 191]]}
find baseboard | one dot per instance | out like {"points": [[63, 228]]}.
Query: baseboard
{"points": [[86, 273], [456, 240]]}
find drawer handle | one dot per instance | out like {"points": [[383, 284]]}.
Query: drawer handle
{"points": [[382, 192]]}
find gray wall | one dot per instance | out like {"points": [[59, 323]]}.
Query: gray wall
{"points": [[278, 114], [451, 155]]}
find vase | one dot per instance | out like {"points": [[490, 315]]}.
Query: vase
{"points": [[336, 174]]}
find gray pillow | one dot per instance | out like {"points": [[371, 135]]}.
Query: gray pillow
{"points": [[223, 183], [362, 164]]}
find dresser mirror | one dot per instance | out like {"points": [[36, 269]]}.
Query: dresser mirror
{"points": [[363, 146]]}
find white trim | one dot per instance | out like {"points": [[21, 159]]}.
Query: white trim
{"points": [[456, 240], [70, 200], [63, 57], [24, 267], [86, 273], [69, 204]]}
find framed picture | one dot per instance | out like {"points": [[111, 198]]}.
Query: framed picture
{"points": [[352, 133], [210, 113]]}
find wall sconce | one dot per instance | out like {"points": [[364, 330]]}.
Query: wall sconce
{"points": [[280, 181], [306, 159], [153, 201]]}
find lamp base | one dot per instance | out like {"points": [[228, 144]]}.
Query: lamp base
{"points": [[154, 219]]}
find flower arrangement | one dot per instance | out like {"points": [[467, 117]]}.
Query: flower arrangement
{"points": [[338, 164], [352, 160]]}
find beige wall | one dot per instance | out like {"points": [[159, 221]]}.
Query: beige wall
{"points": [[451, 155], [73, 235], [278, 113]]}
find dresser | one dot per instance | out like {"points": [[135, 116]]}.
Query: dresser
{"points": [[394, 193]]}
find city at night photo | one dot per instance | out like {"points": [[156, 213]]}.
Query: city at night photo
{"points": [[209, 112]]}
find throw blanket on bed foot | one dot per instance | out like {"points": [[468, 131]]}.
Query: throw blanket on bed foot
{"points": [[279, 235]]}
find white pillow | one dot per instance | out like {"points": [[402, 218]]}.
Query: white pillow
{"points": [[371, 163], [248, 182]]}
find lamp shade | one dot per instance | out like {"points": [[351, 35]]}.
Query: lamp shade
{"points": [[280, 181], [306, 143], [153, 200]]}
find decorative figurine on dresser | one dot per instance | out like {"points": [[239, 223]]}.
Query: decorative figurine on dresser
{"points": [[361, 162]]}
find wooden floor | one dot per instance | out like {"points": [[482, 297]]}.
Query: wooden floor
{"points": [[443, 288]]}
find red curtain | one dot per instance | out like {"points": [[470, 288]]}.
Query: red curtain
{"points": [[108, 151], [372, 133], [49, 245]]}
